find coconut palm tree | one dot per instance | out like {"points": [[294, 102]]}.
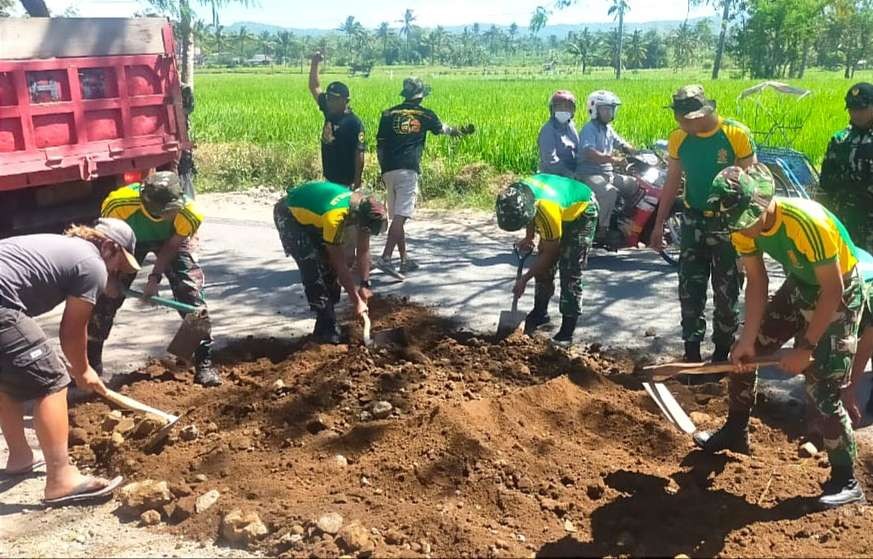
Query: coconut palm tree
{"points": [[617, 11], [582, 46], [383, 33], [406, 28]]}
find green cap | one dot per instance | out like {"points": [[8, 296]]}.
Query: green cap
{"points": [[741, 196], [690, 101], [516, 207], [414, 88], [162, 193], [372, 215]]}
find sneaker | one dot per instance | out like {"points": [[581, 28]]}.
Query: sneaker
{"points": [[388, 267], [734, 435], [408, 266], [205, 374], [838, 493]]}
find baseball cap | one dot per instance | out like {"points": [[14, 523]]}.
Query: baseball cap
{"points": [[859, 96], [742, 196], [338, 89], [372, 215], [690, 101], [414, 88], [121, 234], [516, 207], [162, 193]]}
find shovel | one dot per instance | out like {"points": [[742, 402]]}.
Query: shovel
{"points": [[128, 403], [382, 337], [509, 321], [195, 327]]}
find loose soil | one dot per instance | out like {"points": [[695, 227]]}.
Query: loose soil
{"points": [[493, 448]]}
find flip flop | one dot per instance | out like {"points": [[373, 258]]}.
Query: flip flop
{"points": [[24, 471], [81, 494]]}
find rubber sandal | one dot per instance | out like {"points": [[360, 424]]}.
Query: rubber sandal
{"points": [[80, 493], [23, 472]]}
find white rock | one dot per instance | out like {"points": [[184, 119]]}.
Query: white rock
{"points": [[382, 410], [330, 523], [204, 502]]}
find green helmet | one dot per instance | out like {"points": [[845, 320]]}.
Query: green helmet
{"points": [[742, 195], [371, 215], [516, 207], [162, 193]]}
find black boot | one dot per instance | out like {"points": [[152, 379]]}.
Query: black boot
{"points": [[734, 435], [721, 353], [205, 373], [564, 337], [326, 330], [842, 489], [692, 353], [95, 356], [537, 317]]}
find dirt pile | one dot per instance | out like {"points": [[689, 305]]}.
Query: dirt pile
{"points": [[486, 448]]}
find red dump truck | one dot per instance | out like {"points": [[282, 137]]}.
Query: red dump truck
{"points": [[86, 105]]}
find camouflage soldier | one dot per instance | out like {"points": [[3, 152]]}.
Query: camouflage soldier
{"points": [[699, 149], [165, 222], [312, 220], [564, 213], [819, 305]]}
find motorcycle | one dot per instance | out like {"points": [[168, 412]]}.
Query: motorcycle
{"points": [[633, 218]]}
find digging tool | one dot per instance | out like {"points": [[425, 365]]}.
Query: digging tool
{"points": [[511, 320], [669, 370], [195, 327], [670, 407], [130, 404], [382, 337]]}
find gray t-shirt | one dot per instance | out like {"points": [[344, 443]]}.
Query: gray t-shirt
{"points": [[558, 144], [38, 272], [599, 137]]}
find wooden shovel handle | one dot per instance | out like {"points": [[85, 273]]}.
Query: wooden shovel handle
{"points": [[672, 369], [366, 318], [128, 403]]}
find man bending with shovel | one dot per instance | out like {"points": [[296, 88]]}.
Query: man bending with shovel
{"points": [[312, 220], [165, 223], [564, 213], [819, 305]]}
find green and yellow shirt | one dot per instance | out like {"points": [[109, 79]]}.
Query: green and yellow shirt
{"points": [[125, 204], [704, 156], [558, 200], [804, 236], [323, 205]]}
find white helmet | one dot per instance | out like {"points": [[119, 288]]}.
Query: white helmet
{"points": [[601, 98]]}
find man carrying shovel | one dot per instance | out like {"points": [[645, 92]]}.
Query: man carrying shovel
{"points": [[564, 213], [819, 305], [37, 273], [312, 220], [165, 223]]}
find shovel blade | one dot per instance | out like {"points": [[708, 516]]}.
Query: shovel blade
{"points": [[509, 322], [390, 336], [195, 328]]}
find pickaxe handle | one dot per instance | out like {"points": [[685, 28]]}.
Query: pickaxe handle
{"points": [[128, 403], [169, 303], [669, 370]]}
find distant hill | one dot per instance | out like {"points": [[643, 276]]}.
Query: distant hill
{"points": [[558, 30]]}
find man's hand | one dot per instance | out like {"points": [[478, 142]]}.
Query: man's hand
{"points": [[317, 57], [850, 401], [360, 307], [364, 293], [520, 286], [525, 245], [468, 129], [743, 350], [151, 288], [795, 361], [89, 381]]}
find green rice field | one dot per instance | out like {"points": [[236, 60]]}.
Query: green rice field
{"points": [[263, 129]]}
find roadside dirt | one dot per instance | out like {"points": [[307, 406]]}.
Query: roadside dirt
{"points": [[509, 448]]}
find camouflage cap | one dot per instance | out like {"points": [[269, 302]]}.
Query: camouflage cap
{"points": [[859, 96], [690, 101], [414, 88], [516, 207], [372, 215], [162, 193], [741, 196]]}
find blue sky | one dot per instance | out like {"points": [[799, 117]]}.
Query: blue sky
{"points": [[309, 14]]}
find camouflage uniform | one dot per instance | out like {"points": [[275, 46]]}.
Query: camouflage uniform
{"points": [[306, 245], [575, 244], [787, 315], [186, 281], [706, 254], [847, 182]]}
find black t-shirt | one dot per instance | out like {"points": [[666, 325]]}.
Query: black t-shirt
{"points": [[342, 138], [402, 132]]}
